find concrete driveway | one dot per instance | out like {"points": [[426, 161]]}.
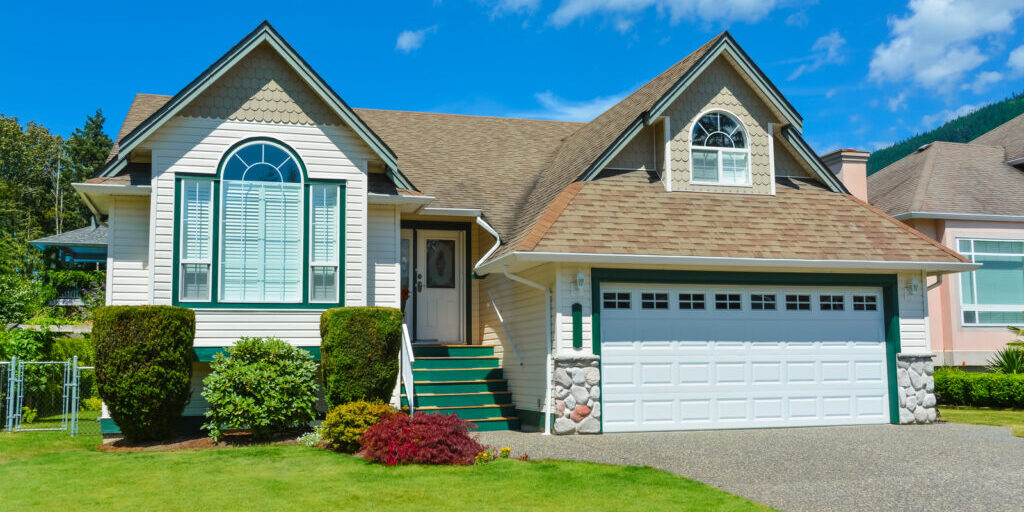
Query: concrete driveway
{"points": [[944, 466]]}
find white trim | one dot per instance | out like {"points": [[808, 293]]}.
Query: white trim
{"points": [[977, 308], [653, 259], [771, 156], [112, 227], [691, 145], [497, 241], [667, 158], [112, 190], [959, 216], [375, 198], [451, 212]]}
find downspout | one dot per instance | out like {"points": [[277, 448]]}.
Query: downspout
{"points": [[937, 283], [497, 241], [547, 343]]}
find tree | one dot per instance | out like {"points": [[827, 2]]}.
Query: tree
{"points": [[85, 152]]}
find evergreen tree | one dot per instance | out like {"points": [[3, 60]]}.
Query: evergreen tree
{"points": [[84, 153]]}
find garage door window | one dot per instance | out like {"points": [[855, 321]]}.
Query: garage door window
{"points": [[728, 301], [798, 302], [654, 300], [616, 300], [865, 303], [762, 302], [831, 302], [691, 301]]}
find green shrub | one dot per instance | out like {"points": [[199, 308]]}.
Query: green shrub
{"points": [[28, 415], [1009, 359], [263, 384], [359, 351], [144, 367], [92, 404], [957, 387], [346, 424], [26, 344]]}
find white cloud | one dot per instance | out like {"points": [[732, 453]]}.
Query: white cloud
{"points": [[511, 6], [724, 11], [982, 81], [826, 50], [410, 40], [830, 93], [933, 120], [1016, 60], [797, 19], [622, 25], [934, 45], [559, 109], [897, 102]]}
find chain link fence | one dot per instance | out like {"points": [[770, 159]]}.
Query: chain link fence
{"points": [[49, 396]]}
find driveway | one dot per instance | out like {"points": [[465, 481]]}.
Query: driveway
{"points": [[945, 466]]}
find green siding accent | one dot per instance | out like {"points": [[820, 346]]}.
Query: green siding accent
{"points": [[577, 325], [205, 354], [888, 283], [531, 418], [186, 425], [492, 425]]}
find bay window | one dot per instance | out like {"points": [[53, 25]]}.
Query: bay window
{"points": [[994, 293], [260, 233]]}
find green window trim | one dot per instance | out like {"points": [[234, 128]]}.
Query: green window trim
{"points": [[887, 282], [305, 274], [577, 325]]}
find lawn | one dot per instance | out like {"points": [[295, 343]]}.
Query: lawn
{"points": [[977, 416], [48, 471]]}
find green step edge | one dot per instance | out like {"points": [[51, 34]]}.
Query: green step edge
{"points": [[448, 374], [448, 351], [455, 363], [461, 400], [459, 387]]}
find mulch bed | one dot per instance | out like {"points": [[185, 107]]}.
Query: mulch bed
{"points": [[230, 439]]}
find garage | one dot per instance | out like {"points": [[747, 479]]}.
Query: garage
{"points": [[677, 357]]}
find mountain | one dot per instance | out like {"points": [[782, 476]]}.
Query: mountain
{"points": [[962, 129]]}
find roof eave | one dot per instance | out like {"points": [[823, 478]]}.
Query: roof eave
{"points": [[959, 216]]}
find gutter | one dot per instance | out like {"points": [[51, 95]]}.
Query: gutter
{"points": [[547, 344], [649, 259], [113, 190], [374, 198], [497, 241], [959, 216]]}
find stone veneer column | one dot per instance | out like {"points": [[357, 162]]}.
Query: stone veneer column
{"points": [[916, 388], [577, 394]]}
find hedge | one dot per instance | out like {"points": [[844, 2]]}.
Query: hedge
{"points": [[359, 353], [957, 387], [144, 367]]}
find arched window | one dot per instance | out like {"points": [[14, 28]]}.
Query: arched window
{"points": [[260, 231], [719, 150]]}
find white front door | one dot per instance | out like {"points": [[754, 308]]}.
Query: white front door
{"points": [[696, 357], [439, 286]]}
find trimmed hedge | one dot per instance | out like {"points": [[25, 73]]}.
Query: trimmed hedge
{"points": [[957, 387], [359, 353], [144, 367], [346, 424], [263, 384]]}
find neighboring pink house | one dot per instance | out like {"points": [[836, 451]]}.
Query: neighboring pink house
{"points": [[969, 197]]}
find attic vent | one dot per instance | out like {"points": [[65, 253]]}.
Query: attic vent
{"points": [[922, 148]]}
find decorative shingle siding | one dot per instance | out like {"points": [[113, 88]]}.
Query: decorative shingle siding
{"points": [[721, 87], [262, 87]]}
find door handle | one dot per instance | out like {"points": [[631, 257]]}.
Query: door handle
{"points": [[419, 286]]}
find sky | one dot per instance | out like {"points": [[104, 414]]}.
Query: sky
{"points": [[863, 74]]}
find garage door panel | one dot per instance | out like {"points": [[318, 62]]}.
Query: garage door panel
{"points": [[683, 369]]}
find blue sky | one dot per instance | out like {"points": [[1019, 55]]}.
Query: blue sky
{"points": [[863, 74]]}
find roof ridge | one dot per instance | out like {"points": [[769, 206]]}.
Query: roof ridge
{"points": [[473, 116], [924, 179], [550, 215]]}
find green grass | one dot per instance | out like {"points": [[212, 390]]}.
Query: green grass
{"points": [[1012, 418], [47, 471]]}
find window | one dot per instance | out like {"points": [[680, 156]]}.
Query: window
{"points": [[993, 294], [798, 302], [831, 302], [691, 301], [323, 250], [196, 239], [729, 301], [719, 151], [654, 300], [258, 233], [616, 300], [762, 302], [865, 303]]}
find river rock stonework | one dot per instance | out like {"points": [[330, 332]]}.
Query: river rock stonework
{"points": [[916, 388], [576, 385]]}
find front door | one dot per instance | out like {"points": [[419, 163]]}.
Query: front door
{"points": [[439, 286]]}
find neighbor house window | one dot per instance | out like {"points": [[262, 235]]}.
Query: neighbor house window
{"points": [[259, 233], [719, 151], [993, 294]]}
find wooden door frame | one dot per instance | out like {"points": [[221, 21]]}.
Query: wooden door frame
{"points": [[466, 229]]}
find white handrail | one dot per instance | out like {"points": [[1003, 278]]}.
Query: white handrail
{"points": [[407, 359], [505, 327]]}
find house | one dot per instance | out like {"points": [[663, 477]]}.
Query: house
{"points": [[970, 198], [84, 247], [683, 261]]}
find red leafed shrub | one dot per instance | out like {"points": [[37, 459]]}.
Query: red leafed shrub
{"points": [[422, 439]]}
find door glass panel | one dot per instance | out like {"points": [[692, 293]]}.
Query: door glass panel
{"points": [[440, 264], [406, 261]]}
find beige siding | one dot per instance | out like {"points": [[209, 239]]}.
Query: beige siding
{"points": [[721, 87], [221, 327], [383, 274], [786, 165], [567, 294], [523, 310], [913, 314], [128, 258], [639, 153]]}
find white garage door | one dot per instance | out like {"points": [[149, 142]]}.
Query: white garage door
{"points": [[684, 357]]}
